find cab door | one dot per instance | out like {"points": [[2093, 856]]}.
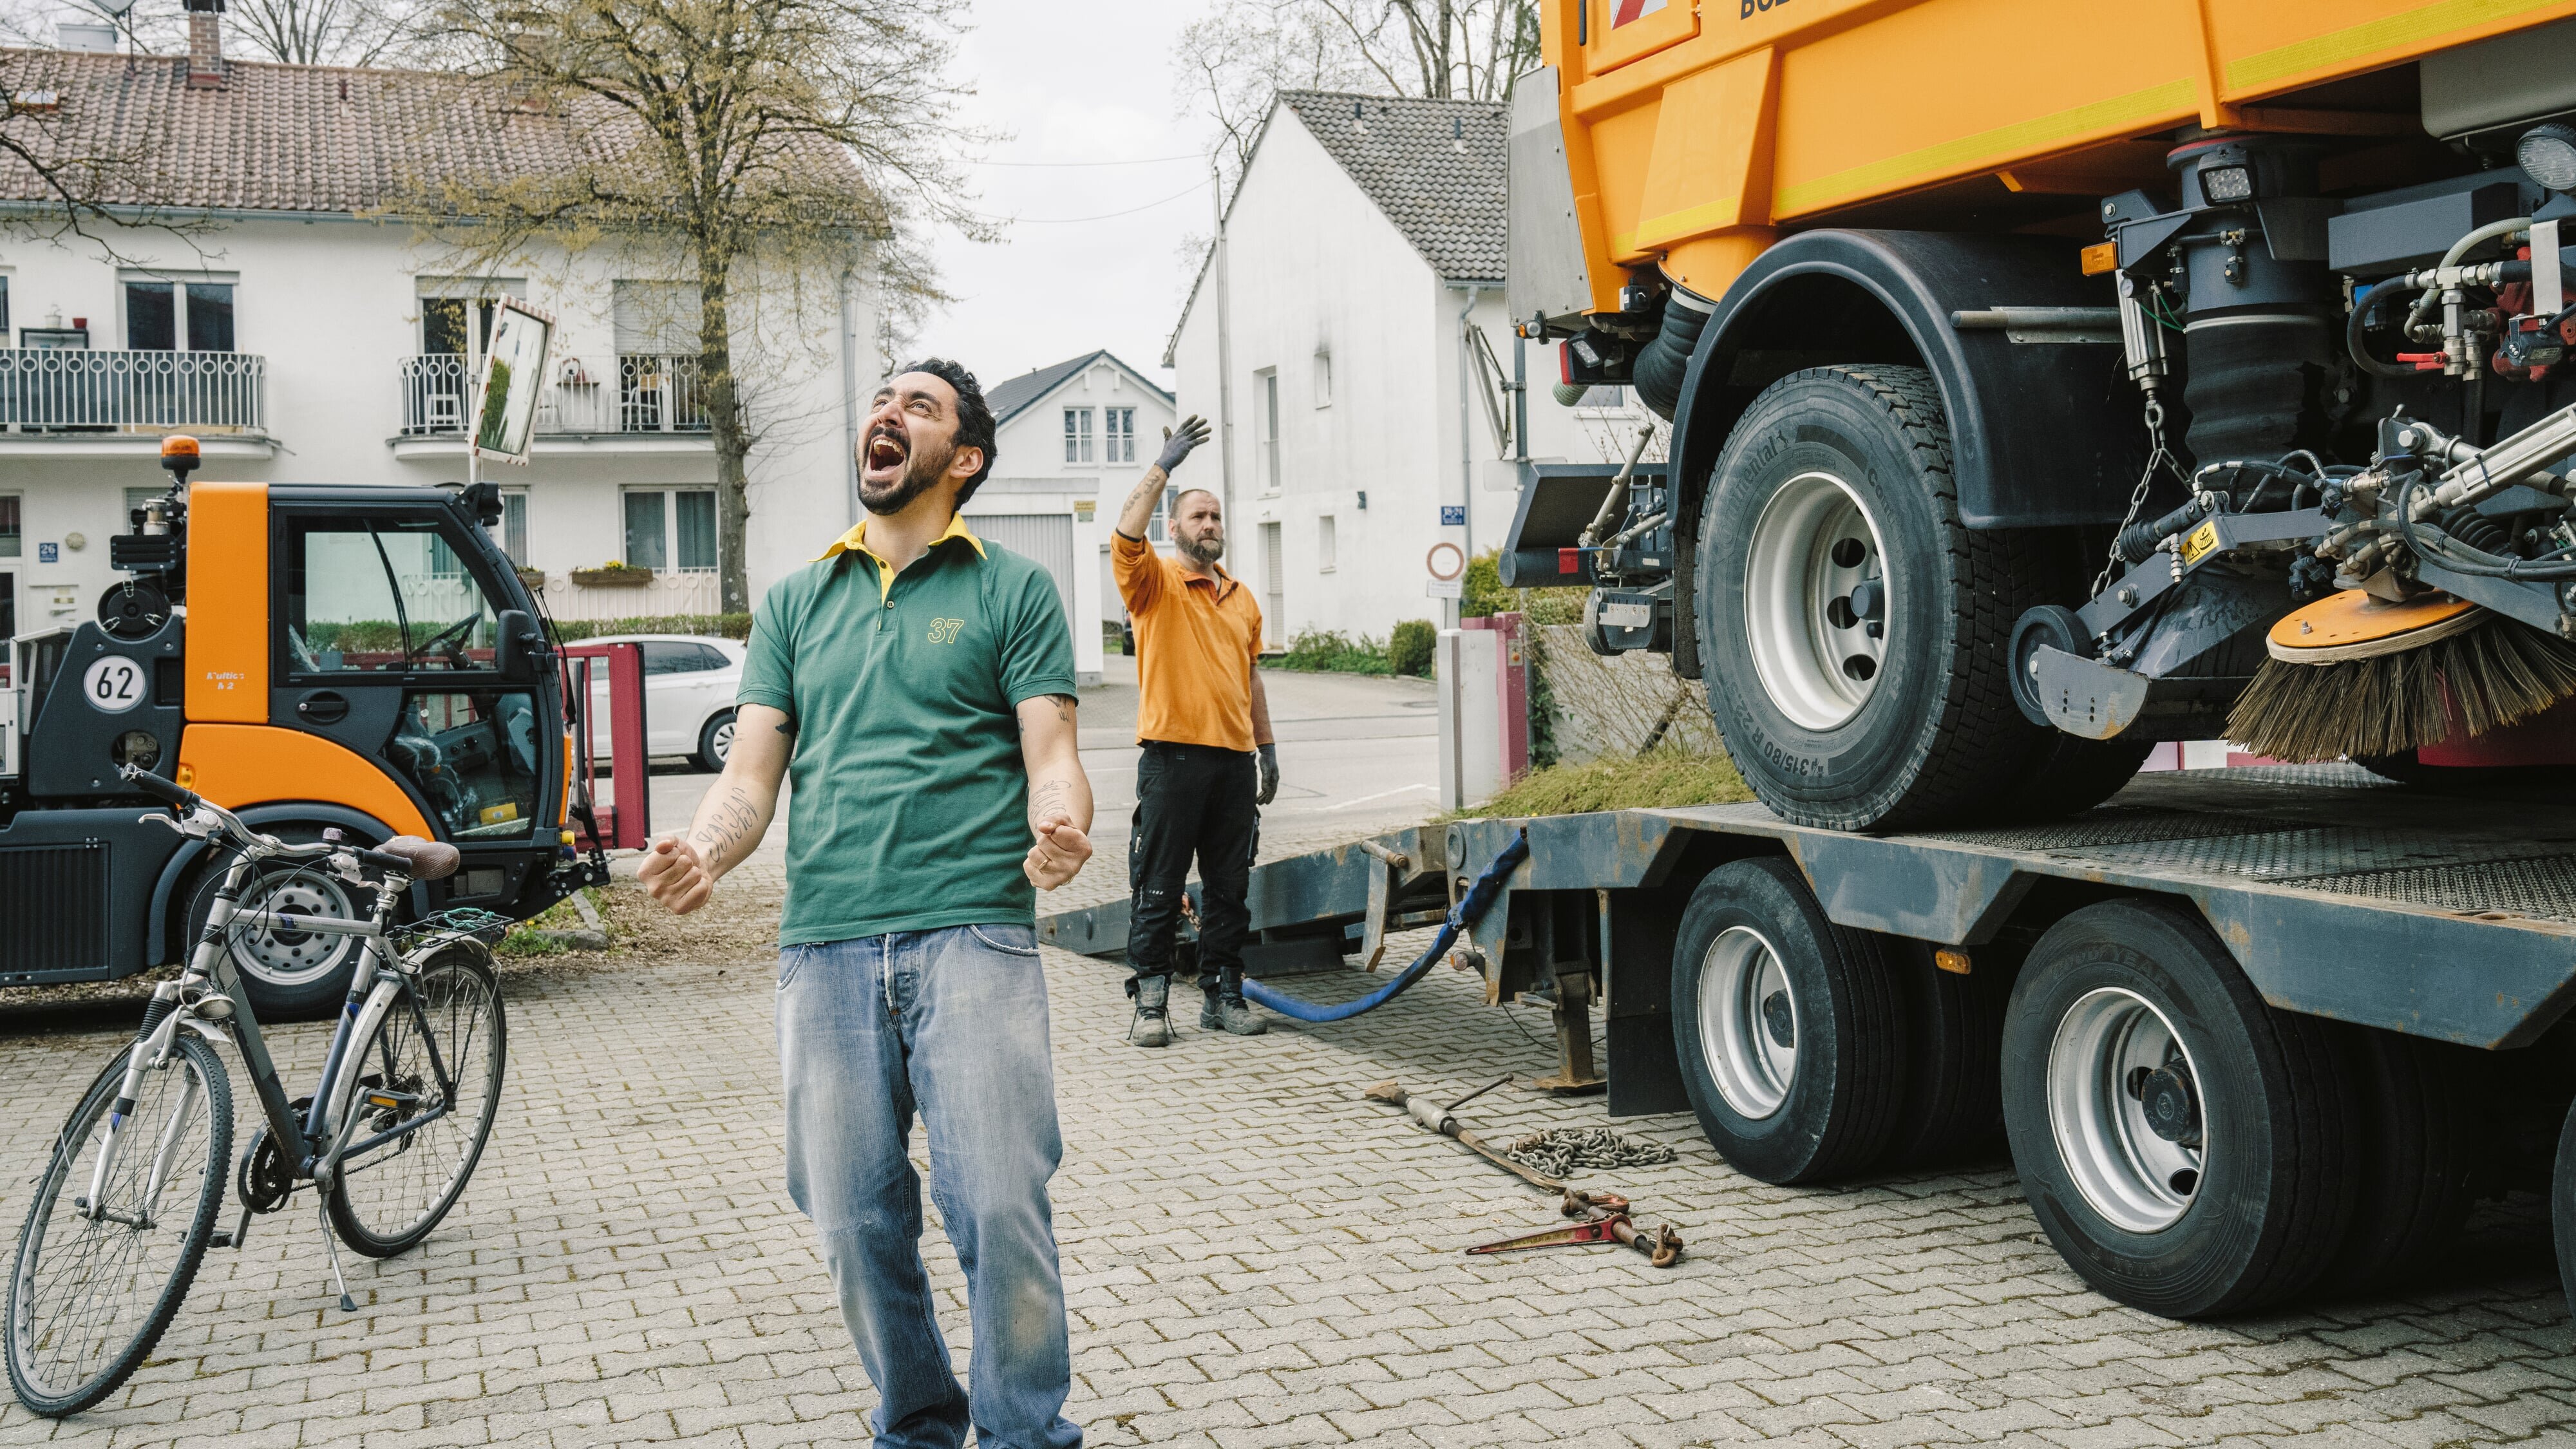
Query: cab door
{"points": [[386, 641]]}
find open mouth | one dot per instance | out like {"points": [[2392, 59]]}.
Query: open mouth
{"points": [[886, 450]]}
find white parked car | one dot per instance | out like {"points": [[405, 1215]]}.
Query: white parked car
{"points": [[689, 686]]}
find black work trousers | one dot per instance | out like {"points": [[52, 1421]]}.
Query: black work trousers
{"points": [[1191, 800]]}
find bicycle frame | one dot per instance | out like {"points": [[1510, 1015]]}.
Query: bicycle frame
{"points": [[210, 999]]}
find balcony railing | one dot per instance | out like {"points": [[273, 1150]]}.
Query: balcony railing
{"points": [[76, 390], [650, 394]]}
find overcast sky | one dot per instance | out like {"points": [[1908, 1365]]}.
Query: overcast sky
{"points": [[1082, 84]]}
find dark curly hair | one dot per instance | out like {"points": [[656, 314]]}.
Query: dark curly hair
{"points": [[974, 415]]}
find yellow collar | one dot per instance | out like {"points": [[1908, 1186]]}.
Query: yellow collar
{"points": [[857, 538]]}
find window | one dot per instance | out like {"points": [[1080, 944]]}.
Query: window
{"points": [[442, 325], [656, 519], [473, 755], [1608, 397], [1077, 435], [9, 538], [514, 525], [1323, 378], [362, 598], [655, 318], [1118, 435], [695, 509], [135, 499], [670, 656], [1269, 419], [647, 540], [1154, 529], [4, 305], [158, 314], [1324, 544]]}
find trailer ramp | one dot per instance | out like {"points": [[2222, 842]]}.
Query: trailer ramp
{"points": [[2443, 915]]}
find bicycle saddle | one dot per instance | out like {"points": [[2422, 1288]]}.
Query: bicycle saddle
{"points": [[422, 859]]}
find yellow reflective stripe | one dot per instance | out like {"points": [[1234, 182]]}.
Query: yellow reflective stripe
{"points": [[2388, 32], [2003, 143]]}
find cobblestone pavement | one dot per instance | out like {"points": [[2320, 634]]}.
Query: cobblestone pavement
{"points": [[1253, 1256]]}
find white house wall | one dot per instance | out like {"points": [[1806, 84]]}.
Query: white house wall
{"points": [[333, 308], [1313, 265]]}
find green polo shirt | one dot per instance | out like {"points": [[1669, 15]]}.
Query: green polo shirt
{"points": [[910, 808]]}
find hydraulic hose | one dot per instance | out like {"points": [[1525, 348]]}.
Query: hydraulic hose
{"points": [[1471, 908], [2355, 325]]}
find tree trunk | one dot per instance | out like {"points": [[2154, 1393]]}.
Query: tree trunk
{"points": [[726, 425]]}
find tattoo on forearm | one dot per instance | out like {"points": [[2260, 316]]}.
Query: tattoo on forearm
{"points": [[728, 820], [1050, 798]]}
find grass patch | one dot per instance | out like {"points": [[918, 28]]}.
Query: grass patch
{"points": [[1661, 779], [1329, 651], [563, 915]]}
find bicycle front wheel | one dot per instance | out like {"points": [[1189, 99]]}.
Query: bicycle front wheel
{"points": [[429, 1082], [93, 1288]]}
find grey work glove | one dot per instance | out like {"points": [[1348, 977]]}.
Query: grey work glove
{"points": [[1177, 442], [1269, 775]]}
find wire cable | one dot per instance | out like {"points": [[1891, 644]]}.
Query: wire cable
{"points": [[1470, 909], [1190, 190]]}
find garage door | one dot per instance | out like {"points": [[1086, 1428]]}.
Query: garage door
{"points": [[1044, 537]]}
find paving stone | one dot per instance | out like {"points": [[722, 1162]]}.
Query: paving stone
{"points": [[1253, 1256]]}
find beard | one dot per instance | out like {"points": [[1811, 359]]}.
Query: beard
{"points": [[919, 472], [1203, 550]]}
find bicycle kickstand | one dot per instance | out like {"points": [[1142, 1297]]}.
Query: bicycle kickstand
{"points": [[331, 1247]]}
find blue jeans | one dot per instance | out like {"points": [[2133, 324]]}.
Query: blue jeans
{"points": [[953, 1022]]}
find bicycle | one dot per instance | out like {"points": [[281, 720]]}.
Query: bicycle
{"points": [[128, 1202]]}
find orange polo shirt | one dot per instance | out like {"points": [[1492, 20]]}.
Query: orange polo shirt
{"points": [[1197, 641]]}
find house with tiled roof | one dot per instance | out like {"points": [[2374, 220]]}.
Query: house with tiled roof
{"points": [[1072, 437], [257, 282], [1349, 331]]}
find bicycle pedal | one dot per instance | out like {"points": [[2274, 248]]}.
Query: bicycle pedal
{"points": [[223, 1238]]}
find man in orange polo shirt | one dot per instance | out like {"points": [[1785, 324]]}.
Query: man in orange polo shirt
{"points": [[1208, 756]]}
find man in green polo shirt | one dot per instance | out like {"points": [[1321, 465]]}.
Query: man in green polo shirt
{"points": [[916, 684]]}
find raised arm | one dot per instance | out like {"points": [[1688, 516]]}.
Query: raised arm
{"points": [[681, 871], [1138, 510], [1059, 793]]}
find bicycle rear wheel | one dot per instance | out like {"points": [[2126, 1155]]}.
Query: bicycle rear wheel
{"points": [[391, 1190], [90, 1294]]}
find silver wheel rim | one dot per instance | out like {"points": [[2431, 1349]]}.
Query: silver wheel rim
{"points": [[287, 957], [2133, 1177], [720, 740], [1813, 545], [1745, 1010]]}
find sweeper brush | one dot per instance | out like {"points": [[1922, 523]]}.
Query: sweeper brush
{"points": [[2353, 677]]}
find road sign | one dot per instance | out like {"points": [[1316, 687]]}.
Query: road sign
{"points": [[1444, 588]]}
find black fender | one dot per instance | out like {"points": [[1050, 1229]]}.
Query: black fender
{"points": [[2041, 434], [183, 863]]}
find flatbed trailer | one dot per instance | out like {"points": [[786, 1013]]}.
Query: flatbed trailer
{"points": [[2239, 1044]]}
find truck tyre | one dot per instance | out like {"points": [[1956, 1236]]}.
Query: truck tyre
{"points": [[2189, 1150], [2425, 1152], [1832, 513], [1786, 1025], [289, 975], [2562, 1208], [1953, 1101]]}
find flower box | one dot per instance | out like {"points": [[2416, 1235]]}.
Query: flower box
{"points": [[535, 579], [626, 578]]}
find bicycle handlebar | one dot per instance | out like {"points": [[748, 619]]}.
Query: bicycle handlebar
{"points": [[187, 802], [168, 792]]}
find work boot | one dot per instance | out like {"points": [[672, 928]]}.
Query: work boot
{"points": [[1152, 1026], [1225, 1009]]}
